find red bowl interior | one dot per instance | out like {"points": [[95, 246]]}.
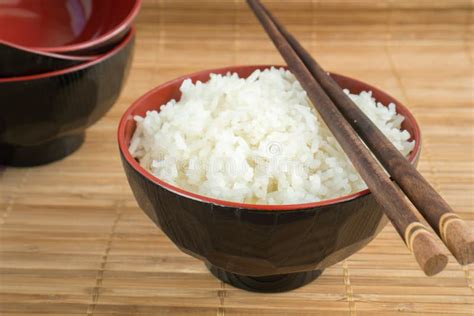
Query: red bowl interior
{"points": [[64, 25], [170, 90]]}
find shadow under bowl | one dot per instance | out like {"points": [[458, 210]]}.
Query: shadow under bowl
{"points": [[265, 248], [67, 26], [43, 118]]}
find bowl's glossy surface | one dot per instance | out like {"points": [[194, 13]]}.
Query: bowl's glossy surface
{"points": [[17, 61], [43, 117], [256, 247], [67, 26]]}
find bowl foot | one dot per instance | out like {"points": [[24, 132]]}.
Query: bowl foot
{"points": [[30, 156], [265, 284]]}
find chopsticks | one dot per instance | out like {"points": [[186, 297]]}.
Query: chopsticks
{"points": [[453, 231], [415, 234]]}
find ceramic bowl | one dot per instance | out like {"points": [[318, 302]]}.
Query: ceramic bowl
{"points": [[67, 26], [43, 118], [268, 248], [17, 61]]}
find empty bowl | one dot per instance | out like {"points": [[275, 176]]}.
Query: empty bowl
{"points": [[16, 61], [43, 117], [67, 26], [267, 248]]}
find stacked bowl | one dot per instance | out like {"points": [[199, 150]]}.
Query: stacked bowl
{"points": [[63, 64]]}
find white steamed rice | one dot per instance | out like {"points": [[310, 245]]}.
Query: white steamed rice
{"points": [[255, 140]]}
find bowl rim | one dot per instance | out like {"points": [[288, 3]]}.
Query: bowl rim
{"points": [[27, 49], [64, 71], [123, 147], [92, 43]]}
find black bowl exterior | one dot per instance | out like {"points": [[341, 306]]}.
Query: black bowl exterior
{"points": [[39, 111], [266, 284], [257, 242], [31, 156], [15, 62]]}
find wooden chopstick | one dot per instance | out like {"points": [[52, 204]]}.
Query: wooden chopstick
{"points": [[419, 240], [453, 231]]}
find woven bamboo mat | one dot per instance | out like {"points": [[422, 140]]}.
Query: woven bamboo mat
{"points": [[74, 242]]}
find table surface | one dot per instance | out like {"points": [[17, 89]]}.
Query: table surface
{"points": [[74, 242]]}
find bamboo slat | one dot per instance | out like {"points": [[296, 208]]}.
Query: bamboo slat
{"points": [[74, 242]]}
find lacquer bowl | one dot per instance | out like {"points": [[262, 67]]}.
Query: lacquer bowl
{"points": [[17, 61], [43, 118], [266, 248], [67, 26]]}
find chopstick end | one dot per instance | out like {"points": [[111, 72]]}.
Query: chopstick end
{"points": [[428, 253], [459, 238]]}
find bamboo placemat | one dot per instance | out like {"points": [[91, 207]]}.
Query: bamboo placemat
{"points": [[74, 242]]}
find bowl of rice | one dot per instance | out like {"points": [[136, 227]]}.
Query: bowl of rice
{"points": [[238, 169]]}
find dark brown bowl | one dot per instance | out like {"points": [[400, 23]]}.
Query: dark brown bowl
{"points": [[269, 248], [17, 61], [43, 118]]}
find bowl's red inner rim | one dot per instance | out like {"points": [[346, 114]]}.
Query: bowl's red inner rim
{"points": [[97, 41], [93, 62], [123, 146]]}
